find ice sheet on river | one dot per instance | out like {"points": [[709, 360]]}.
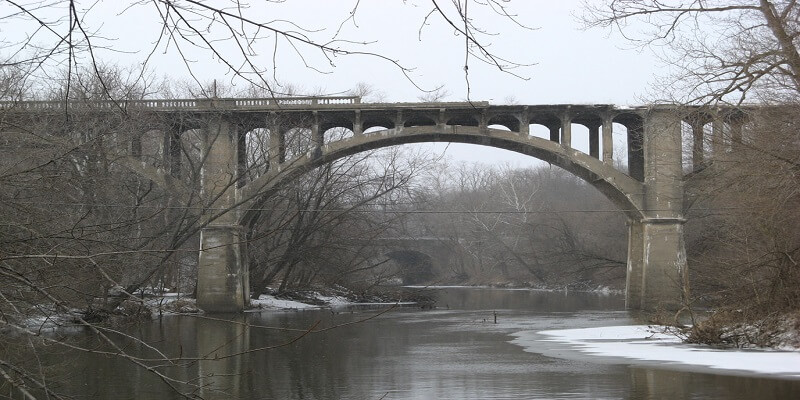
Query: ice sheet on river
{"points": [[649, 345]]}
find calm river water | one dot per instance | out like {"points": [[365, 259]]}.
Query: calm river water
{"points": [[453, 352]]}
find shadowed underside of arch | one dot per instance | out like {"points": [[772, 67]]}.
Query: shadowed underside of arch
{"points": [[621, 189]]}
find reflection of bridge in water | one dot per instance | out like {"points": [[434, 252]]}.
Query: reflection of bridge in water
{"points": [[649, 192]]}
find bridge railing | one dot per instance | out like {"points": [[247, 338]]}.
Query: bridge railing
{"points": [[179, 104]]}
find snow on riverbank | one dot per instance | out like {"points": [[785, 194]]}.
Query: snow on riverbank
{"points": [[266, 301], [649, 345], [269, 302]]}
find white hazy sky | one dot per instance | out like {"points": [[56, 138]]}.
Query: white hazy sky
{"points": [[571, 65]]}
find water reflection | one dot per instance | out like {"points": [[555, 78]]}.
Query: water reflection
{"points": [[224, 352], [405, 354], [652, 384]]}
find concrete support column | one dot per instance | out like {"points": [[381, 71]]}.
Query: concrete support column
{"points": [[608, 140], [524, 123], [220, 169], [483, 124], [172, 152], [698, 151], [717, 137], [399, 122], [665, 279], [223, 282], [222, 276], [634, 278], [317, 136], [566, 130], [358, 127], [277, 147], [665, 273], [594, 141], [442, 122]]}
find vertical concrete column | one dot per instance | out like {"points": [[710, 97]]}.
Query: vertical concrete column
{"points": [[399, 122], [665, 273], [566, 130], [483, 123], [608, 140], [635, 275], [172, 151], [665, 280], [358, 127], [222, 275], [277, 147], [717, 137], [698, 156], [524, 123], [317, 136], [442, 122], [594, 141], [222, 270]]}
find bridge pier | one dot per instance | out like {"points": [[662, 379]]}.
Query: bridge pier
{"points": [[222, 275], [657, 267], [665, 273]]}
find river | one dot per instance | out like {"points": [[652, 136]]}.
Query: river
{"points": [[456, 351]]}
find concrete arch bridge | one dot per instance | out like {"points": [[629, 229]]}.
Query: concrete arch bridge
{"points": [[304, 133]]}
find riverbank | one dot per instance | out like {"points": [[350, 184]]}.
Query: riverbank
{"points": [[658, 346], [339, 297], [315, 298], [730, 329]]}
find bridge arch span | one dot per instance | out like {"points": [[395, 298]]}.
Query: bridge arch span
{"points": [[621, 189]]}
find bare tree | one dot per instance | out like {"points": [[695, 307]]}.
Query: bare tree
{"points": [[720, 50], [241, 35], [327, 216], [111, 232], [539, 226], [743, 253]]}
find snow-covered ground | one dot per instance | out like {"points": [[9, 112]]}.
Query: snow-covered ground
{"points": [[266, 301], [269, 302], [650, 345]]}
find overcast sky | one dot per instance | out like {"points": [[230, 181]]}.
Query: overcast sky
{"points": [[569, 65]]}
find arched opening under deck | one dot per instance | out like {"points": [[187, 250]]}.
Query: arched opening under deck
{"points": [[621, 189]]}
